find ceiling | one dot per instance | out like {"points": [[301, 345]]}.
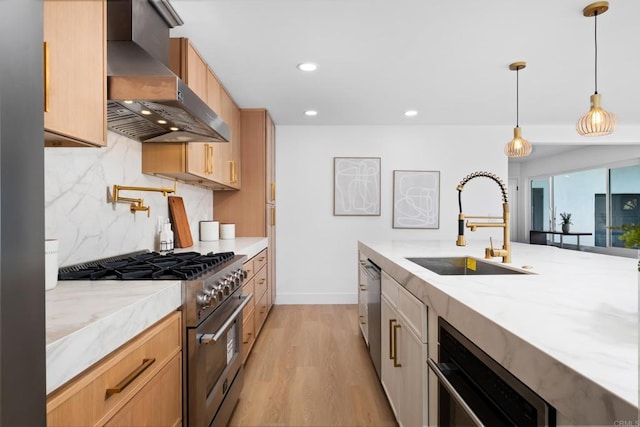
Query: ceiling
{"points": [[448, 60]]}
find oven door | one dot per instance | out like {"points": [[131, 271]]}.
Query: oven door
{"points": [[460, 402], [214, 361], [475, 390]]}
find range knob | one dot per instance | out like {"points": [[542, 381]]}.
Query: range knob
{"points": [[203, 299]]}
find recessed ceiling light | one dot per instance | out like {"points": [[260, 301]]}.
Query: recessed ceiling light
{"points": [[311, 113], [411, 113], [128, 101], [146, 112], [307, 66], [162, 122], [173, 128]]}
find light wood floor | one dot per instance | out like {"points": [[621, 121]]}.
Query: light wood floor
{"points": [[311, 367]]}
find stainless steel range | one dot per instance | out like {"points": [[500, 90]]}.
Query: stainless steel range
{"points": [[212, 315]]}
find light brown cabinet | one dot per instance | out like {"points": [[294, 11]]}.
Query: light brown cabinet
{"points": [[215, 165], [188, 162], [255, 313], [138, 384], [253, 209], [75, 82]]}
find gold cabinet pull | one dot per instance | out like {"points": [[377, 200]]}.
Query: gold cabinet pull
{"points": [[210, 149], [391, 348], [129, 378], [233, 171], [273, 216], [248, 337], [395, 346], [273, 191], [47, 76], [206, 158]]}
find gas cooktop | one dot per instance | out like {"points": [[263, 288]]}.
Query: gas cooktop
{"points": [[146, 265]]}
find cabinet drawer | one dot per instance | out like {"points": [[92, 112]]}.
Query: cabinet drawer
{"points": [[260, 260], [144, 409], [247, 289], [414, 312], [249, 268], [261, 312], [91, 398], [389, 288], [260, 283], [248, 335]]}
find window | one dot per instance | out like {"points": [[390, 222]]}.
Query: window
{"points": [[596, 198]]}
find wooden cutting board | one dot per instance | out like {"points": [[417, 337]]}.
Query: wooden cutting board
{"points": [[179, 223]]}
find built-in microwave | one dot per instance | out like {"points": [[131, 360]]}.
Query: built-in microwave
{"points": [[475, 390]]}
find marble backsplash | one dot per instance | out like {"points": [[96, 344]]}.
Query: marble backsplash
{"points": [[77, 181]]}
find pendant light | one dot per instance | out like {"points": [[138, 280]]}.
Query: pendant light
{"points": [[597, 121], [518, 146]]}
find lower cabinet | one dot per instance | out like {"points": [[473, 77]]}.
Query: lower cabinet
{"points": [[144, 409], [255, 312], [363, 309], [138, 384], [404, 353]]}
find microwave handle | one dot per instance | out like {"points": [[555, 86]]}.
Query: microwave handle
{"points": [[453, 392], [207, 338]]}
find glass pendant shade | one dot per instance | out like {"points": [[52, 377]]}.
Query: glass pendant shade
{"points": [[518, 146], [597, 121]]}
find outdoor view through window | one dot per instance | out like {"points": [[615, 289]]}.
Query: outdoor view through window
{"points": [[596, 200]]}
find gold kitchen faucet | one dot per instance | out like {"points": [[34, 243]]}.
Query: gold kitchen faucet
{"points": [[489, 252]]}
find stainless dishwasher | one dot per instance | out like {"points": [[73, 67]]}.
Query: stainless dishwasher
{"points": [[371, 273]]}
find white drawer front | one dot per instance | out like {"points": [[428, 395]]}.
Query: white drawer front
{"points": [[414, 312]]}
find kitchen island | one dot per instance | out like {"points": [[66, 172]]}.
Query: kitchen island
{"points": [[87, 320], [569, 331]]}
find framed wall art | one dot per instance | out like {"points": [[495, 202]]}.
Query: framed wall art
{"points": [[356, 186], [416, 199]]}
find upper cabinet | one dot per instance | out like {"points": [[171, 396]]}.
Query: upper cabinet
{"points": [[75, 73], [215, 165]]}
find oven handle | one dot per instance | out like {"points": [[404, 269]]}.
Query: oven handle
{"points": [[207, 338], [454, 393]]}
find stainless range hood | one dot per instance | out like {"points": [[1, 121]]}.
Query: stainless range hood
{"points": [[146, 100]]}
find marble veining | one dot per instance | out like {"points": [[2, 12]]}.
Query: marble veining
{"points": [[570, 331], [86, 320], [77, 181]]}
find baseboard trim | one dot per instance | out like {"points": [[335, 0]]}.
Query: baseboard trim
{"points": [[291, 298]]}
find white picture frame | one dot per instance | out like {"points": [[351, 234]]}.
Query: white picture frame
{"points": [[416, 199], [356, 186]]}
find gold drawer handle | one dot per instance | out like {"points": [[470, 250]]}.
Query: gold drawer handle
{"points": [[395, 346], [129, 379], [261, 259], [261, 281], [248, 337]]}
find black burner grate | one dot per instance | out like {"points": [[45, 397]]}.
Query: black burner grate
{"points": [[146, 266]]}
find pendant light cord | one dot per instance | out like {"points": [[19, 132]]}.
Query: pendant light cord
{"points": [[595, 32], [517, 97]]}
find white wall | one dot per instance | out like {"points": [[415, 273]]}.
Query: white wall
{"points": [[317, 251], [76, 208]]}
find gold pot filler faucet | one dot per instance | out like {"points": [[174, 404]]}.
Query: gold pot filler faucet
{"points": [[490, 252]]}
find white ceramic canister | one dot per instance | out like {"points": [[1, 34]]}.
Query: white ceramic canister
{"points": [[50, 264], [227, 231], [209, 231]]}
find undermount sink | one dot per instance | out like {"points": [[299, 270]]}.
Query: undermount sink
{"points": [[463, 266]]}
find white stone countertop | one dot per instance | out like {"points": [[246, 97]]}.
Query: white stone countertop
{"points": [[87, 320], [570, 331]]}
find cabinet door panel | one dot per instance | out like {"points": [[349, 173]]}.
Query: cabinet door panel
{"points": [[75, 72], [412, 356], [197, 71], [159, 403], [389, 374]]}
